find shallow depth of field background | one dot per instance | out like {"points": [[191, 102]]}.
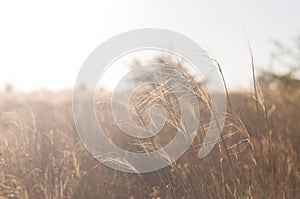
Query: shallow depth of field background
{"points": [[42, 47], [258, 156]]}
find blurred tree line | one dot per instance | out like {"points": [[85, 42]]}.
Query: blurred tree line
{"points": [[283, 72]]}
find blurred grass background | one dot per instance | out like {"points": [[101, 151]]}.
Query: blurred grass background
{"points": [[41, 155]]}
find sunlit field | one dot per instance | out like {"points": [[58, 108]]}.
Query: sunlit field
{"points": [[257, 156]]}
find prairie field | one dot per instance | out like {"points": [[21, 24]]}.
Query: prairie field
{"points": [[145, 99], [257, 156]]}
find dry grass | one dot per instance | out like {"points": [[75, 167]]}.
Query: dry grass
{"points": [[41, 155]]}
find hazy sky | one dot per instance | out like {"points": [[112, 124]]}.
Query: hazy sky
{"points": [[43, 44]]}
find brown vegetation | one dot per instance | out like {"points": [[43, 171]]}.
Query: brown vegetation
{"points": [[41, 155]]}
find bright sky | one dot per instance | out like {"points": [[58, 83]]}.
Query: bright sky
{"points": [[43, 44]]}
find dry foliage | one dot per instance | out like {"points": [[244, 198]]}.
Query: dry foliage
{"points": [[41, 155]]}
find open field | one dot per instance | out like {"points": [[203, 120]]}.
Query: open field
{"points": [[41, 155]]}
